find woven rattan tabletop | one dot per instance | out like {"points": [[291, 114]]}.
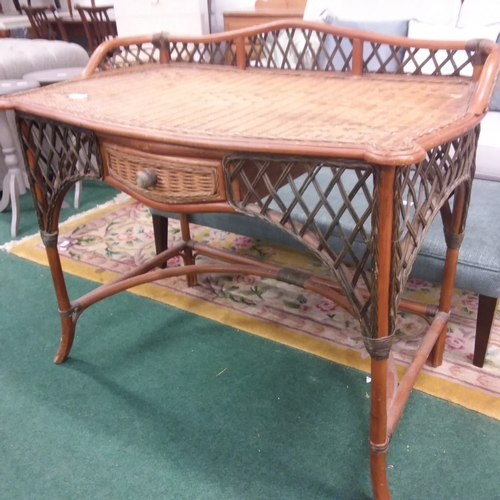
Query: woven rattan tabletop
{"points": [[258, 109]]}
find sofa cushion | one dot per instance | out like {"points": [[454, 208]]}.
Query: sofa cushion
{"points": [[495, 100], [21, 56], [428, 31], [387, 27], [478, 12], [438, 11], [479, 258], [281, 53], [488, 151]]}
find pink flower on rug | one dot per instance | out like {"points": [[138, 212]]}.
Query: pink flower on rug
{"points": [[249, 279], [326, 305], [410, 327], [137, 206], [455, 343], [126, 236], [174, 261], [470, 301], [242, 242], [66, 242]]}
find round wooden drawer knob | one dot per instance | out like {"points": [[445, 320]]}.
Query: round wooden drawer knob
{"points": [[146, 178]]}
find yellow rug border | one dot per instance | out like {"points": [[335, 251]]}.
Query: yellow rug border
{"points": [[470, 398]]}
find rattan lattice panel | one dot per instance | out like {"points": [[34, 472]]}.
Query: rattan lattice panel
{"points": [[130, 55], [255, 187], [56, 156], [204, 53], [126, 56], [307, 49], [420, 192], [342, 211], [301, 49], [179, 180]]}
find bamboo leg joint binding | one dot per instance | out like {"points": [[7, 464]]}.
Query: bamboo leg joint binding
{"points": [[49, 239], [378, 349], [453, 240], [379, 448], [293, 276], [70, 312]]}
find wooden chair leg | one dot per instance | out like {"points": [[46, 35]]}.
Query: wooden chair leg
{"points": [[187, 254], [160, 230], [485, 316]]}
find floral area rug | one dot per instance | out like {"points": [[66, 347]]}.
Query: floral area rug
{"points": [[114, 240]]}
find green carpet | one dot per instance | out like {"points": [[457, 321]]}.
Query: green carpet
{"points": [[94, 192], [157, 403]]}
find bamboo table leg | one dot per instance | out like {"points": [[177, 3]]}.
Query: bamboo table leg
{"points": [[64, 305], [454, 235], [379, 439]]}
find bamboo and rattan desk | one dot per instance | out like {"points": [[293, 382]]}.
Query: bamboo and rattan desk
{"points": [[202, 125]]}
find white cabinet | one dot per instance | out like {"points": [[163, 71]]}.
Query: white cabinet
{"points": [[138, 17]]}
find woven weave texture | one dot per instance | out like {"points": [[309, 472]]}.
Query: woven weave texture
{"points": [[261, 179], [279, 189], [328, 109], [61, 155]]}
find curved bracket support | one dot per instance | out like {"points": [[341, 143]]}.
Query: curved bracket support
{"points": [[56, 157]]}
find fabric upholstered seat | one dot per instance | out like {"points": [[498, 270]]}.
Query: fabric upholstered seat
{"points": [[20, 56]]}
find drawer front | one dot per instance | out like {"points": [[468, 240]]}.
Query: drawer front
{"points": [[175, 179]]}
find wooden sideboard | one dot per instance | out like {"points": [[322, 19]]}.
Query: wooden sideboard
{"points": [[265, 11]]}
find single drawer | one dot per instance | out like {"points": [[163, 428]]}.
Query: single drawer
{"points": [[166, 179]]}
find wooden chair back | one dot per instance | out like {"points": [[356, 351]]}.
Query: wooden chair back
{"points": [[45, 23], [70, 6], [97, 25]]}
